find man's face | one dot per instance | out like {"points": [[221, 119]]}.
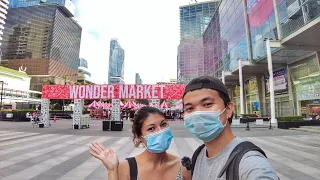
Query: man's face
{"points": [[206, 100]]}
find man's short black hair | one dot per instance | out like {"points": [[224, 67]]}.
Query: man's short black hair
{"points": [[209, 82]]}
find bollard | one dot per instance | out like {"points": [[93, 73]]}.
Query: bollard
{"points": [[248, 127]]}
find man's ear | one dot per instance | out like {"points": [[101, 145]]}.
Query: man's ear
{"points": [[229, 109]]}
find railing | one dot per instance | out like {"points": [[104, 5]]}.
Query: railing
{"points": [[304, 14], [21, 95]]}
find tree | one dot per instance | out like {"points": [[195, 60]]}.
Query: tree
{"points": [[142, 101], [49, 82]]}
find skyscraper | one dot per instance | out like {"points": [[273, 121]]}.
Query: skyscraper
{"points": [[45, 39], [3, 13], [67, 4], [194, 19], [84, 75], [138, 79], [116, 62]]}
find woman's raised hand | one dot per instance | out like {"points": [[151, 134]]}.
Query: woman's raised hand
{"points": [[106, 155]]}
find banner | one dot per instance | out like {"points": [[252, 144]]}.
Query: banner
{"points": [[259, 11], [280, 82], [114, 91]]}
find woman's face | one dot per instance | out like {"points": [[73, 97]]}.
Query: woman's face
{"points": [[152, 124]]}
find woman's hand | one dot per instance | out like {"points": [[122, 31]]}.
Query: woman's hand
{"points": [[107, 156]]}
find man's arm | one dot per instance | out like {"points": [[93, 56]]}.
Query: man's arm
{"points": [[254, 165]]}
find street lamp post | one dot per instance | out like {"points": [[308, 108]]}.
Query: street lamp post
{"points": [[1, 92]]}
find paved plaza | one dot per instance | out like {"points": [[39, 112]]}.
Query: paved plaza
{"points": [[60, 152]]}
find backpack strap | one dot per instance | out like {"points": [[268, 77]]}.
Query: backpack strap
{"points": [[194, 158], [232, 165], [133, 168]]}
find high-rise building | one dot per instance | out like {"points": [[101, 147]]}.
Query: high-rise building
{"points": [[84, 76], [46, 40], [138, 79], [3, 13], [66, 4], [238, 31], [171, 81], [194, 19], [116, 62]]}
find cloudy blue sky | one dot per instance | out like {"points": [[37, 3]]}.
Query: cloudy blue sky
{"points": [[148, 30]]}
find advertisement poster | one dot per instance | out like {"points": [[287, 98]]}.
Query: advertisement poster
{"points": [[280, 82]]}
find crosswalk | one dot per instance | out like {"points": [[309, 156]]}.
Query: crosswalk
{"points": [[35, 156]]}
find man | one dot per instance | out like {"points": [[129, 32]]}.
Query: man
{"points": [[208, 115]]}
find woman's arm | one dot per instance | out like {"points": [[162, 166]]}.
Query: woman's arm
{"points": [[108, 157], [113, 174], [186, 174]]}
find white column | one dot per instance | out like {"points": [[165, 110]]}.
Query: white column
{"points": [[223, 78], [276, 14], [77, 113], [45, 116], [241, 87], [115, 115], [271, 83], [156, 103]]}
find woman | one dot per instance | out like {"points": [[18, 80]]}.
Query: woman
{"points": [[150, 129]]}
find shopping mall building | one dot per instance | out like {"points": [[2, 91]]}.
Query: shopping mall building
{"points": [[235, 46]]}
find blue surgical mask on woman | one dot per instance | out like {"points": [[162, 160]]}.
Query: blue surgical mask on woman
{"points": [[159, 141], [204, 125]]}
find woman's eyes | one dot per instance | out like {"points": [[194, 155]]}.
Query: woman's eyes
{"points": [[162, 125]]}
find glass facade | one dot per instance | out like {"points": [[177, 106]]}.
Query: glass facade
{"points": [[295, 14], [138, 79], [239, 27], [26, 3], [225, 38], [83, 63], [194, 19], [262, 23], [116, 61], [83, 67], [305, 77], [43, 38]]}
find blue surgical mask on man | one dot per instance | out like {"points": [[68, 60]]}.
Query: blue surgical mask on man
{"points": [[159, 142], [204, 125]]}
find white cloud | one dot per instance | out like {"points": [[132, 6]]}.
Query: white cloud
{"points": [[148, 30]]}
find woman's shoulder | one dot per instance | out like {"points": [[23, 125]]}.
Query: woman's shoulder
{"points": [[173, 158]]}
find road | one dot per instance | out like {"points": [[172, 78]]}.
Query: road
{"points": [[60, 152]]}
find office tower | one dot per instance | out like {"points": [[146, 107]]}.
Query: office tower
{"points": [[116, 63]]}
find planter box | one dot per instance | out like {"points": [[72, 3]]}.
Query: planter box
{"points": [[289, 124], [310, 123], [19, 116]]}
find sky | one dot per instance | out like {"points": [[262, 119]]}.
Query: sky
{"points": [[148, 31]]}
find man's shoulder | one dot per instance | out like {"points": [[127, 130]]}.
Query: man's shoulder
{"points": [[254, 165]]}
